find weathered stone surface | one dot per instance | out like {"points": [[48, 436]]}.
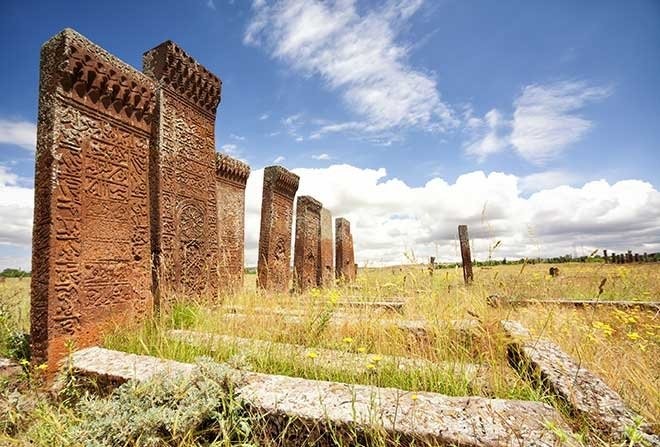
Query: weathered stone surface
{"points": [[183, 181], [310, 412], [327, 273], [307, 246], [387, 305], [328, 359], [586, 394], [653, 306], [90, 248], [345, 257], [466, 255], [9, 368], [274, 263], [231, 179]]}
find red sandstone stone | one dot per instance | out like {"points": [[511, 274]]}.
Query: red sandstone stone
{"points": [[345, 258], [307, 255], [327, 272], [90, 250], [231, 179], [274, 263], [183, 182]]}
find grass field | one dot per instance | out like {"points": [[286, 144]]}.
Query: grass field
{"points": [[621, 346]]}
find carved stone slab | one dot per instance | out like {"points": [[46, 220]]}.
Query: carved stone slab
{"points": [[586, 394], [345, 258], [327, 273], [295, 411], [273, 266], [231, 179], [306, 253], [183, 184], [90, 250]]}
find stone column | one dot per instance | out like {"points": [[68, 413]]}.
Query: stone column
{"points": [[183, 181], [307, 247], [274, 264], [90, 244], [327, 272], [345, 257], [232, 176], [464, 239]]}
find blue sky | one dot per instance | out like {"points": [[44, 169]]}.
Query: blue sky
{"points": [[500, 102]]}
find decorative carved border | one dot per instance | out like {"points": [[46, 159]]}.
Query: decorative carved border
{"points": [[282, 180], [310, 204], [231, 169], [177, 71]]}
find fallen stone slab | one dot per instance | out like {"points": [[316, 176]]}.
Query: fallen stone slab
{"points": [[653, 306], [9, 368], [421, 328], [331, 359], [386, 305], [586, 394], [294, 411]]}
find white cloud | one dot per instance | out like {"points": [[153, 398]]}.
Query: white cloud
{"points": [[264, 116], [279, 159], [16, 203], [356, 52], [389, 217], [19, 133], [546, 180], [210, 4], [322, 156], [236, 137], [545, 121], [230, 149]]}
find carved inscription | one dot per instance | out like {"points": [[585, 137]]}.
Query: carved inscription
{"points": [[184, 205], [327, 267], [231, 180], [307, 250], [273, 267], [345, 267], [91, 241]]}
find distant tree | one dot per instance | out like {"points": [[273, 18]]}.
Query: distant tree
{"points": [[14, 273]]}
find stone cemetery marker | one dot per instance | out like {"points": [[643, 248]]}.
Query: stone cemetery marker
{"points": [[636, 257], [327, 272], [91, 256], [468, 277], [307, 246], [345, 257], [605, 256], [274, 263], [2, 279], [231, 179], [183, 188], [646, 257], [629, 257]]}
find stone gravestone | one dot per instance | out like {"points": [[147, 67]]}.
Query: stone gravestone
{"points": [[231, 179], [183, 188], [307, 246], [327, 272], [345, 258], [90, 247], [274, 263], [466, 255]]}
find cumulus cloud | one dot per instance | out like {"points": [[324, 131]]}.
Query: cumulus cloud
{"points": [[279, 159], [389, 217], [357, 52], [16, 204], [545, 122], [322, 156], [19, 133]]}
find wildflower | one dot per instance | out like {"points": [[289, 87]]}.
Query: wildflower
{"points": [[334, 297], [311, 354], [315, 293], [642, 346], [371, 366], [362, 350], [377, 358], [414, 397], [347, 340], [604, 327], [633, 336]]}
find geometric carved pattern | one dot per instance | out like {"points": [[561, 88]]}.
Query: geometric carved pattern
{"points": [[307, 256], [345, 267], [231, 179], [91, 235], [273, 267], [183, 186]]}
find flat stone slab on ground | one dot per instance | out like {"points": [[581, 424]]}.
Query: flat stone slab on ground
{"points": [[653, 306], [330, 358], [9, 368], [587, 394], [307, 409]]}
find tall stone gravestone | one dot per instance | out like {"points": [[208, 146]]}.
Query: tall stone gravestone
{"points": [[274, 263], [90, 249], [183, 185], [327, 272], [232, 176], [345, 258], [306, 253]]}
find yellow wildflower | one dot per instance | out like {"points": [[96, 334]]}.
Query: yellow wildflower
{"points": [[371, 366], [311, 354], [315, 293], [414, 397], [362, 349], [633, 336], [377, 358], [347, 340], [604, 327]]}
